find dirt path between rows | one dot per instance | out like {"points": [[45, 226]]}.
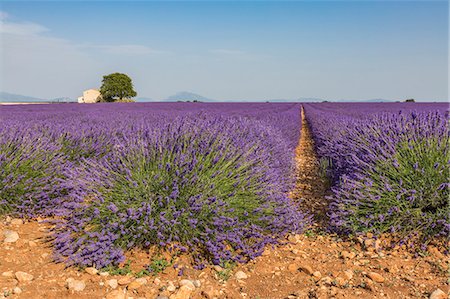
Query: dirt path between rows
{"points": [[309, 265], [311, 187]]}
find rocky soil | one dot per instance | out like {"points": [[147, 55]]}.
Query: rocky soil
{"points": [[307, 266], [310, 265]]}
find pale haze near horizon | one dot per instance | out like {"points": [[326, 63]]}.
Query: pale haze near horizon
{"points": [[228, 50]]}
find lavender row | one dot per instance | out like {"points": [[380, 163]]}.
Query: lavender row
{"points": [[209, 179], [388, 166]]}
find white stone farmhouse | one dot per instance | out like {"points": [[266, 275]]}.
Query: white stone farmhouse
{"points": [[89, 96]]}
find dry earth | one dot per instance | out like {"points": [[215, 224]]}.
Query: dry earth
{"points": [[310, 265]]}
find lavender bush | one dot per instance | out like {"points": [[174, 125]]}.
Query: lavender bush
{"points": [[196, 184], [210, 179], [29, 173], [390, 172]]}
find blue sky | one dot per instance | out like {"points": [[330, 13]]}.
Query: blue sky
{"points": [[228, 50]]}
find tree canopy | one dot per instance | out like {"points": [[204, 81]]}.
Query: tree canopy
{"points": [[116, 87]]}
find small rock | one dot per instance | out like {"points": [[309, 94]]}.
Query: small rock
{"points": [[378, 244], [104, 274], [340, 281], [334, 291], [307, 269], [10, 236], [317, 274], [23, 276], [125, 280], [368, 243], [327, 281], [364, 262], [183, 292], [161, 297], [8, 274], [217, 268], [393, 269], [157, 281], [112, 283], [293, 268], [197, 283], [348, 274], [368, 284], [438, 294], [187, 283], [240, 275], [136, 284], [210, 292], [91, 270], [16, 221], [171, 287], [116, 294], [347, 255], [32, 244], [75, 285], [375, 277], [17, 290]]}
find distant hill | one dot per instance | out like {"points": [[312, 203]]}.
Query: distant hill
{"points": [[379, 101], [17, 98], [344, 100], [187, 96], [183, 96], [365, 101], [310, 100], [302, 100], [316, 100]]}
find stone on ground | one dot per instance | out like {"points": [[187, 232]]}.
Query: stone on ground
{"points": [[16, 221], [10, 236], [136, 284], [75, 285], [375, 277], [184, 292], [438, 294], [116, 294], [125, 280], [23, 276], [112, 283], [187, 283], [91, 270], [240, 275]]}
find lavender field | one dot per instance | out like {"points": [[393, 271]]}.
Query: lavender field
{"points": [[388, 167], [208, 179], [213, 179]]}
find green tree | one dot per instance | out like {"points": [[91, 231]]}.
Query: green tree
{"points": [[116, 87]]}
